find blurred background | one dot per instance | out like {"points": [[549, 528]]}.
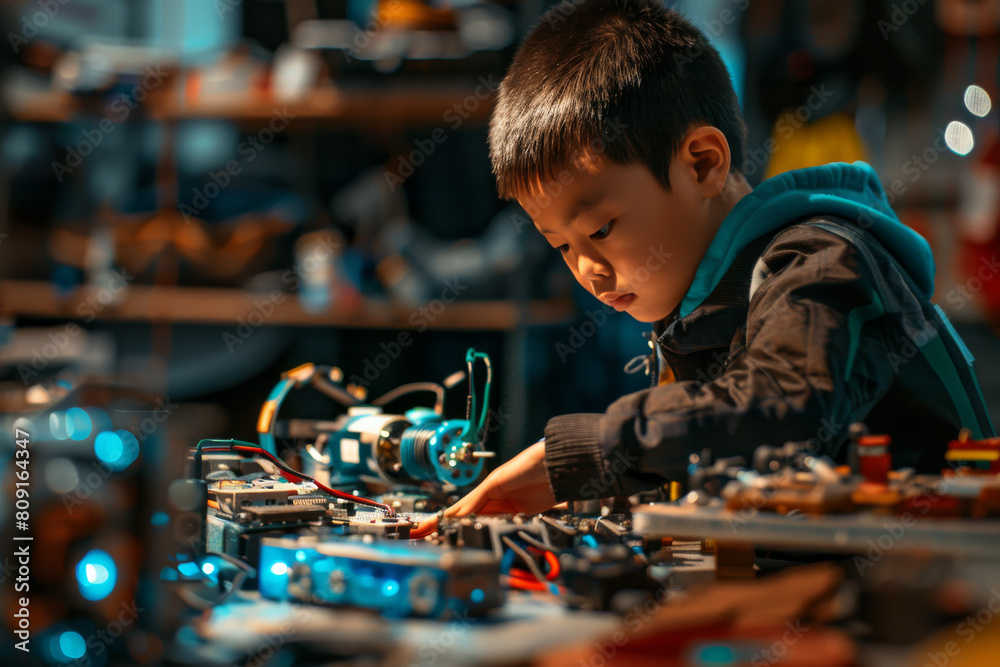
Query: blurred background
{"points": [[197, 195]]}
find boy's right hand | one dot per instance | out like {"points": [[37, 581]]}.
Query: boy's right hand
{"points": [[520, 485]]}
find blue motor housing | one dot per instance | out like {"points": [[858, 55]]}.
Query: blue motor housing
{"points": [[415, 447]]}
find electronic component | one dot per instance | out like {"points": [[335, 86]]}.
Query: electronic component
{"points": [[242, 511], [240, 536], [417, 446], [979, 453], [852, 507], [595, 576], [392, 578]]}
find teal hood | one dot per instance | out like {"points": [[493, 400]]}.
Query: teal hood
{"points": [[850, 191]]}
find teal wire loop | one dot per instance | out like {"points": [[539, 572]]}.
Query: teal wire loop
{"points": [[470, 359]]}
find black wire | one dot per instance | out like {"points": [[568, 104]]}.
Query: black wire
{"points": [[617, 531], [526, 557], [393, 394], [332, 390], [560, 526], [532, 541], [245, 572]]}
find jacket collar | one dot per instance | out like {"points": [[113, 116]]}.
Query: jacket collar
{"points": [[713, 323]]}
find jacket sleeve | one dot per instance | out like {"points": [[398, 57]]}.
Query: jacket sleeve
{"points": [[816, 359]]}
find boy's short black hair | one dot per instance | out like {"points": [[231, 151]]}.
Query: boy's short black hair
{"points": [[626, 78]]}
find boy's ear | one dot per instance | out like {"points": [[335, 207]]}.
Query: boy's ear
{"points": [[704, 155]]}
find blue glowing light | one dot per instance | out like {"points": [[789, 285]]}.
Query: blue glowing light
{"points": [[159, 518], [208, 568], [279, 569], [390, 587], [188, 569], [116, 448], [78, 424], [96, 575], [477, 595], [72, 645]]}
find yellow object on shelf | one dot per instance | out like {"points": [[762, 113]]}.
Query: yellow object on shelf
{"points": [[797, 143]]}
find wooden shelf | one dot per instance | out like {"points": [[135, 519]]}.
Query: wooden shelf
{"points": [[395, 107], [230, 306], [42, 107]]}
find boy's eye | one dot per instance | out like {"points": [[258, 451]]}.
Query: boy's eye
{"points": [[564, 248], [603, 231]]}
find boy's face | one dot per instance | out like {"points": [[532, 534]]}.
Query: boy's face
{"points": [[631, 243]]}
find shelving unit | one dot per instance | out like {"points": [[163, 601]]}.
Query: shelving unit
{"points": [[384, 111], [210, 305], [365, 107]]}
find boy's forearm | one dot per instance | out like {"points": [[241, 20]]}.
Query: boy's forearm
{"points": [[579, 467], [572, 453]]}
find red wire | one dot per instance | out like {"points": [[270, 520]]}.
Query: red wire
{"points": [[553, 562], [299, 477], [527, 585], [525, 580]]}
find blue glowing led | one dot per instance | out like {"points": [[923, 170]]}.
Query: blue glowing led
{"points": [[72, 645], [96, 575], [279, 569], [390, 587], [716, 654], [116, 448], [78, 424], [300, 555], [159, 518], [208, 568], [189, 569], [477, 595]]}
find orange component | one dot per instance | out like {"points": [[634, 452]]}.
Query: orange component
{"points": [[266, 415], [300, 373]]}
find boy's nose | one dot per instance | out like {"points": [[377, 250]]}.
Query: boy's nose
{"points": [[592, 268]]}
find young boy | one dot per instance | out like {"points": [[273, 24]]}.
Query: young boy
{"points": [[780, 313]]}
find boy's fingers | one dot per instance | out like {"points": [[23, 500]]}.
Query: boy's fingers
{"points": [[424, 528], [465, 506], [472, 501], [497, 507], [459, 508]]}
